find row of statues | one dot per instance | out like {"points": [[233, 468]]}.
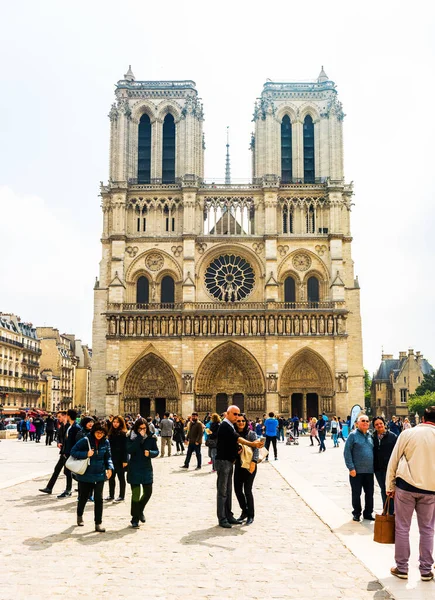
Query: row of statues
{"points": [[227, 325]]}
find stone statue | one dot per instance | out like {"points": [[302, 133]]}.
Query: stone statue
{"points": [[246, 325], [330, 325], [271, 325], [272, 382], [213, 326], [342, 382], [163, 325], [204, 326], [112, 327], [188, 326], [321, 325], [179, 326], [196, 326], [313, 324], [130, 327], [280, 325], [238, 326], [122, 327], [305, 325], [155, 326], [230, 326], [146, 328], [254, 325], [188, 383], [262, 326], [111, 385], [296, 325], [221, 326], [171, 326], [288, 325]]}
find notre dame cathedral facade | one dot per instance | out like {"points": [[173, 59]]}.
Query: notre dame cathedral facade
{"points": [[209, 293]]}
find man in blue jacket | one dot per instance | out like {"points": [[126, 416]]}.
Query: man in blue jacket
{"points": [[358, 456], [271, 431]]}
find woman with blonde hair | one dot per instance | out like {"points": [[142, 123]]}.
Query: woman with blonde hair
{"points": [[313, 431]]}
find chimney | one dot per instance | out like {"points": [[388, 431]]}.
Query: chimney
{"points": [[402, 355], [419, 357], [387, 356], [411, 352]]}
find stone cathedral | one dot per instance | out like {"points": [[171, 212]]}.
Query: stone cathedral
{"points": [[218, 293]]}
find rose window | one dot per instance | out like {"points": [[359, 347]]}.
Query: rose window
{"points": [[229, 278]]}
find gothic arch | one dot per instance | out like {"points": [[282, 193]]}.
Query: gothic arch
{"points": [[151, 377], [309, 109], [143, 107], [209, 374], [317, 265], [287, 109], [168, 106], [137, 264], [308, 371]]}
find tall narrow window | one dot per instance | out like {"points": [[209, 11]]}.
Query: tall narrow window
{"points": [[167, 292], [289, 290], [287, 219], [144, 150], [168, 165], [311, 220], [142, 290], [308, 150], [286, 150], [313, 290]]}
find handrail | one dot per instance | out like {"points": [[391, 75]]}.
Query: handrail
{"points": [[225, 306]]}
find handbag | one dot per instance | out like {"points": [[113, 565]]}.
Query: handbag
{"points": [[211, 443], [78, 465], [262, 454], [385, 525]]}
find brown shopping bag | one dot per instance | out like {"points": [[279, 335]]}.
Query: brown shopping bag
{"points": [[385, 526]]}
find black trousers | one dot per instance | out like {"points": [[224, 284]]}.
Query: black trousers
{"points": [[25, 434], [191, 448], [138, 500], [362, 481], [120, 473], [271, 438], [243, 482], [38, 435], [49, 437], [180, 446], [224, 486], [380, 478], [57, 469], [85, 491]]}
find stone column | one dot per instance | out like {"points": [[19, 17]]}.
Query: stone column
{"points": [[304, 405]]}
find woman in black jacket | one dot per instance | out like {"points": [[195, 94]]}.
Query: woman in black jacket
{"points": [[244, 478], [118, 447], [142, 447], [178, 435], [383, 445]]}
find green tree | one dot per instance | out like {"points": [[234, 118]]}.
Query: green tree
{"points": [[427, 385], [367, 386], [417, 404]]}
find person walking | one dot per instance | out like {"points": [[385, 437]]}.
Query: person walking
{"points": [[70, 439], [244, 477], [32, 430], [195, 430], [358, 456], [411, 482], [211, 442], [118, 449], [49, 430], [96, 447], [166, 431], [313, 431], [62, 421], [24, 428], [228, 441], [281, 425], [178, 436], [39, 426], [271, 430], [321, 432], [335, 430], [142, 447], [383, 445]]}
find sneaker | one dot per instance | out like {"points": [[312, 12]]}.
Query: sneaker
{"points": [[65, 494], [135, 524], [427, 576], [109, 499], [210, 462], [395, 571], [119, 499]]}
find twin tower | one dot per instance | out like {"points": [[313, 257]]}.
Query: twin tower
{"points": [[211, 294]]}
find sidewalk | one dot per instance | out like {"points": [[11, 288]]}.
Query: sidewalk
{"points": [[321, 480], [21, 461], [287, 553]]}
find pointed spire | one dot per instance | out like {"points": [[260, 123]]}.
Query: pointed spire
{"points": [[322, 77], [227, 161], [129, 76]]}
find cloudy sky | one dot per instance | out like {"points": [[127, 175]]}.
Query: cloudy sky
{"points": [[59, 62]]}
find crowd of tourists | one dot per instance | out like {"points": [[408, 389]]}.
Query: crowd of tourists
{"points": [[120, 450]]}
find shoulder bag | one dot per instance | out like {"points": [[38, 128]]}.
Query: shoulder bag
{"points": [[78, 465], [384, 532]]}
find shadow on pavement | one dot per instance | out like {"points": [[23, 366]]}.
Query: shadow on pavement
{"points": [[87, 538], [200, 537]]}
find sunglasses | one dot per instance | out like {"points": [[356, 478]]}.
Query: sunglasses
{"points": [[241, 421], [363, 420]]}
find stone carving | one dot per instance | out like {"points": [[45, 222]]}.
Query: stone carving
{"points": [[111, 384], [154, 261], [177, 250], [342, 382], [187, 383], [228, 324], [264, 107], [258, 247], [301, 261], [283, 249], [321, 249], [132, 250], [272, 382], [114, 113], [201, 247], [151, 377]]}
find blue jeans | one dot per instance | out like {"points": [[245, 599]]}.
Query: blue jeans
{"points": [[281, 435], [191, 448], [335, 438], [322, 441]]}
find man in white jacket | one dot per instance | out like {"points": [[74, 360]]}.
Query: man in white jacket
{"points": [[411, 481]]}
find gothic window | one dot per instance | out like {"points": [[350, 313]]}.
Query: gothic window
{"points": [[311, 220], [141, 220], [142, 290], [167, 290], [286, 150], [168, 164], [287, 219], [313, 293], [404, 395], [289, 290], [144, 150], [229, 278], [308, 150], [169, 220]]}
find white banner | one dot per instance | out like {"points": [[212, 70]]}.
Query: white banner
{"points": [[354, 414]]}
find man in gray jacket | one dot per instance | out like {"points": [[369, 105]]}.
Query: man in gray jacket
{"points": [[411, 481], [358, 456], [166, 431]]}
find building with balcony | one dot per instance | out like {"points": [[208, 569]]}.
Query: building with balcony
{"points": [[209, 293], [19, 363], [395, 380]]}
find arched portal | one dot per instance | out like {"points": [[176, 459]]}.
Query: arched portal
{"points": [[306, 385], [150, 387], [230, 373]]}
